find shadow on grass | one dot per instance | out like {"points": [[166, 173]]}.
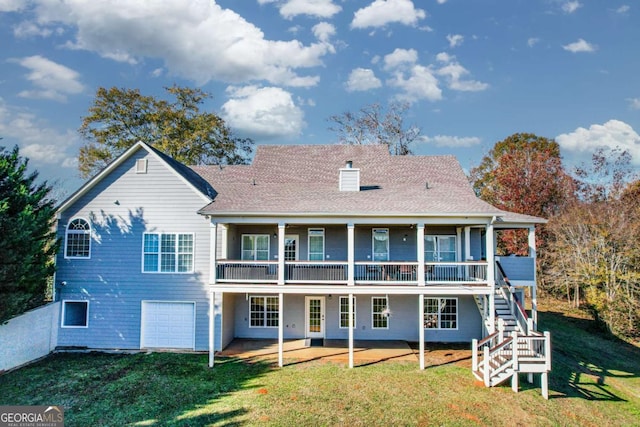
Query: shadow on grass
{"points": [[589, 363], [135, 389]]}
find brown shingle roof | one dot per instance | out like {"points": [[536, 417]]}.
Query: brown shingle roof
{"points": [[303, 179]]}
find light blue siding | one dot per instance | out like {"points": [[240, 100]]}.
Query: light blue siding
{"points": [[518, 268], [121, 207], [403, 322]]}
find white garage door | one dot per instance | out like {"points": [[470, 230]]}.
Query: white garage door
{"points": [[167, 325]]}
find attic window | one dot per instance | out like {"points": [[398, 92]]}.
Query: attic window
{"points": [[141, 166]]}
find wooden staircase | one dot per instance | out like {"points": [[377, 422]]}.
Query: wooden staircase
{"points": [[515, 347]]}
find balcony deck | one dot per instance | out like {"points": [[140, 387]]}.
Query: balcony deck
{"points": [[469, 273]]}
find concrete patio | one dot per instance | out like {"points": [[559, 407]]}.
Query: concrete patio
{"points": [[366, 352]]}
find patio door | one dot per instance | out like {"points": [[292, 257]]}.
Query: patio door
{"points": [[314, 309]]}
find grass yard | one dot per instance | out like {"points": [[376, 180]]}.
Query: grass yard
{"points": [[595, 382]]}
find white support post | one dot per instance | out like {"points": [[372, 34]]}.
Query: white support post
{"points": [[421, 328], [281, 265], [544, 384], [351, 255], [280, 328], [351, 326], [534, 306], [514, 358], [212, 314], [467, 244], [533, 254], [420, 255], [491, 277], [474, 355], [213, 256], [487, 367]]}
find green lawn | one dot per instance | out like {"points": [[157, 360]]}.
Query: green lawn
{"points": [[595, 382]]}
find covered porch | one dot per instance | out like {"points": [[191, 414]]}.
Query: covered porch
{"points": [[365, 352]]}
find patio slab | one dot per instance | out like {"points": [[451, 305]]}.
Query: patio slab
{"points": [[364, 351]]}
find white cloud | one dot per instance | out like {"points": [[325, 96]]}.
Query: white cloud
{"points": [[442, 1], [454, 73], [318, 8], [455, 40], [41, 144], [450, 141], [27, 29], [52, 80], [383, 12], [12, 5], [362, 79], [416, 84], [267, 112], [612, 134], [399, 57], [323, 31], [623, 9], [580, 46], [571, 6], [532, 41], [444, 57], [634, 103], [205, 41]]}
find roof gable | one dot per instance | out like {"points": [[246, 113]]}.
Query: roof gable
{"points": [[199, 185]]}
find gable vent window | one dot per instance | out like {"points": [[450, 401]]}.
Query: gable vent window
{"points": [[349, 178], [141, 166]]}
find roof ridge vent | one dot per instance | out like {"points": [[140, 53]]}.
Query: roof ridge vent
{"points": [[349, 178]]}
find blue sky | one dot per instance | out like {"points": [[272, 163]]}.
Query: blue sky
{"points": [[474, 72]]}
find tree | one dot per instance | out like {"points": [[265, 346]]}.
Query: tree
{"points": [[119, 118], [27, 237], [524, 174], [371, 125], [593, 254]]}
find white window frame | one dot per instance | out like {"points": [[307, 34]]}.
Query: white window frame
{"points": [[324, 241], [296, 238], [439, 314], [373, 243], [86, 232], [346, 312], [375, 313], [255, 250], [177, 253], [265, 311], [64, 310], [437, 251]]}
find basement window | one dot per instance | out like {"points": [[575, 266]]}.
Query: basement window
{"points": [[75, 314]]}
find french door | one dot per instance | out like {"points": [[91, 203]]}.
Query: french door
{"points": [[314, 309]]}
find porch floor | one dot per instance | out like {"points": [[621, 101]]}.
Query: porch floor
{"points": [[365, 352]]}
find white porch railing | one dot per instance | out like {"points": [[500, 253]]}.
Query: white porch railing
{"points": [[365, 272], [377, 272], [247, 271], [316, 272], [469, 272]]}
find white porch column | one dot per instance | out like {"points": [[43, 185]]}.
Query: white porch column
{"points": [[351, 325], [491, 277], [281, 231], [212, 314], [534, 297], [280, 328], [467, 243], [420, 254], [421, 329], [213, 255], [351, 256]]}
